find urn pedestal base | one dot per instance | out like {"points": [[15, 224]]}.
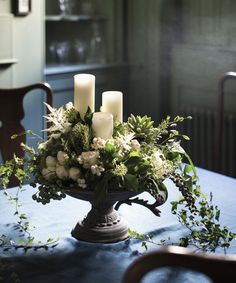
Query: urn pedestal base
{"points": [[102, 233], [102, 224]]}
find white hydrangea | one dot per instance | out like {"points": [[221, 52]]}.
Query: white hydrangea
{"points": [[74, 173], [88, 158], [62, 157], [62, 172], [161, 166], [97, 170]]}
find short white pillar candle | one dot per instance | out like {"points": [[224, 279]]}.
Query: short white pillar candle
{"points": [[112, 102], [84, 93], [102, 124]]}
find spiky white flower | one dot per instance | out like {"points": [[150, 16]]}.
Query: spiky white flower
{"points": [[125, 141], [69, 106], [58, 120]]}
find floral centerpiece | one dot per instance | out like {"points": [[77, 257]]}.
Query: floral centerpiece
{"points": [[99, 154]]}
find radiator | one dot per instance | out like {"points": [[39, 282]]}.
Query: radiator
{"points": [[203, 132]]}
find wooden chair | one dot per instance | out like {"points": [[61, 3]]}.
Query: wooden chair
{"points": [[221, 95], [219, 268], [11, 114]]}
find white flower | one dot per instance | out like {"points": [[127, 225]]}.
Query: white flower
{"points": [[74, 173], [82, 183], [157, 160], [88, 158], [48, 173], [42, 145], [97, 169], [51, 161], [66, 128], [55, 136], [58, 120], [62, 157], [61, 172], [161, 166], [69, 106], [125, 141], [98, 143], [135, 145], [176, 147]]}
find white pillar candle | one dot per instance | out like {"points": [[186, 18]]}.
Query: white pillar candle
{"points": [[102, 124], [84, 93], [112, 102]]}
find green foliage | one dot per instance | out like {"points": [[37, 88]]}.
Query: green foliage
{"points": [[139, 156], [141, 126], [80, 137]]}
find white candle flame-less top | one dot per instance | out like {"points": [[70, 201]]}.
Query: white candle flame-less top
{"points": [[112, 102], [84, 93], [102, 124]]}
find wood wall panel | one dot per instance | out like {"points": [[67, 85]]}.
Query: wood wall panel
{"points": [[143, 55]]}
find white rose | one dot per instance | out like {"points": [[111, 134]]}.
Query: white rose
{"points": [[51, 161], [62, 157], [61, 172], [74, 173], [135, 145], [47, 173], [52, 169]]}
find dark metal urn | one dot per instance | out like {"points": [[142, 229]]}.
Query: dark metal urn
{"points": [[103, 224]]}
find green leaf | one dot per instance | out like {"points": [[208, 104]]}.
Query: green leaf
{"points": [[110, 149], [188, 168], [131, 181]]}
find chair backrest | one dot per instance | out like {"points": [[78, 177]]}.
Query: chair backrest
{"points": [[221, 95], [219, 268], [11, 119]]}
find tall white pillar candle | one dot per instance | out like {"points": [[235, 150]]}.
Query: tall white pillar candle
{"points": [[102, 124], [112, 102], [84, 93]]}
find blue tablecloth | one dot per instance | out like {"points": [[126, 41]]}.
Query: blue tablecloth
{"points": [[75, 261]]}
